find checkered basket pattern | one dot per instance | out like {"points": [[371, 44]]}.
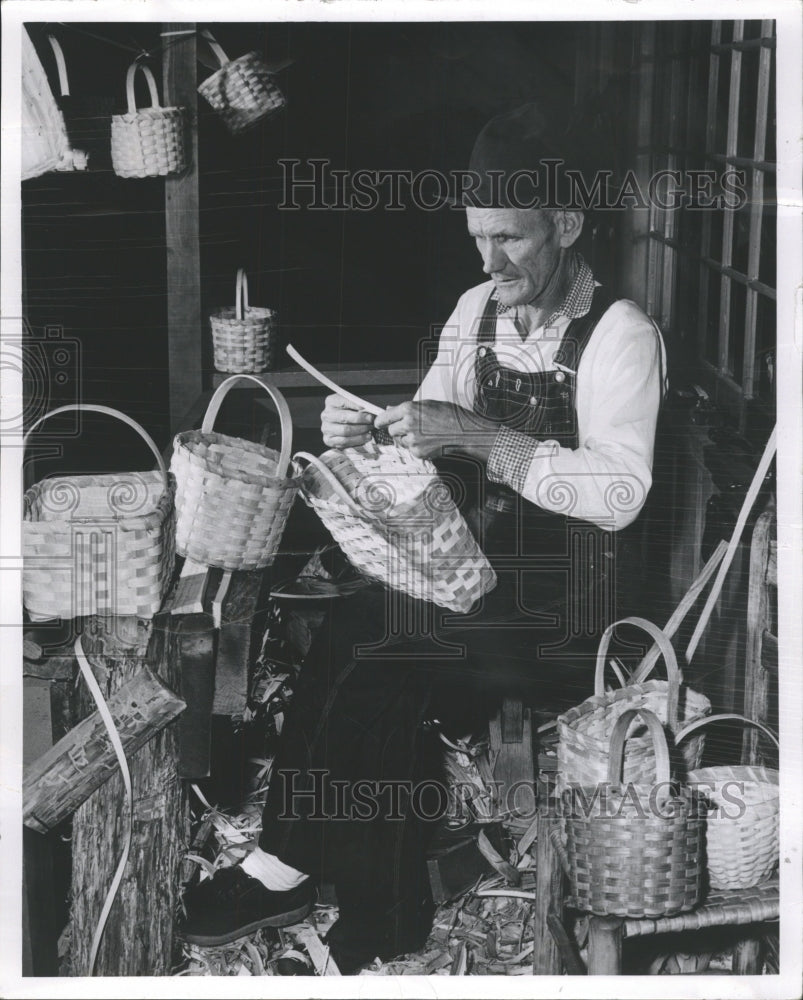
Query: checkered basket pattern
{"points": [[148, 142], [397, 523], [584, 731], [233, 497], [635, 849], [243, 336], [242, 91], [98, 545]]}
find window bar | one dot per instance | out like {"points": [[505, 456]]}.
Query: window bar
{"points": [[644, 46], [756, 214], [710, 134], [727, 222], [672, 162], [649, 107]]}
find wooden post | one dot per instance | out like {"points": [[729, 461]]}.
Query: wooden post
{"points": [[138, 939], [548, 884], [184, 323], [605, 946]]}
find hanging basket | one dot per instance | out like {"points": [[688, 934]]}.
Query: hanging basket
{"points": [[584, 731], [635, 849], [743, 823], [243, 336], [233, 497], [147, 142], [88, 119], [98, 545], [397, 524], [242, 91]]}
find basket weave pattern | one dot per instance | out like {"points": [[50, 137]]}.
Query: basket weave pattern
{"points": [[233, 497], [584, 731], [398, 525], [98, 545], [243, 92], [243, 336], [149, 142], [633, 853], [742, 847]]}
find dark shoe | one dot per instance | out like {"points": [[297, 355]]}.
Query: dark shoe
{"points": [[233, 904]]}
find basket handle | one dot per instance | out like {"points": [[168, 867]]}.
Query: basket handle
{"points": [[129, 86], [327, 474], [686, 731], [97, 408], [215, 47], [61, 65], [279, 402], [241, 293], [616, 751], [674, 675]]}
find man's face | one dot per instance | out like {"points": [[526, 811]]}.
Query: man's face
{"points": [[520, 249]]}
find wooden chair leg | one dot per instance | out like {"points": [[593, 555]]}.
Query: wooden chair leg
{"points": [[605, 946], [548, 896]]}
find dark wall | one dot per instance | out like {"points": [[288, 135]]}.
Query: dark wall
{"points": [[350, 286]]}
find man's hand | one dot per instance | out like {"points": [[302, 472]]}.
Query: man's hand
{"points": [[428, 427], [344, 425]]}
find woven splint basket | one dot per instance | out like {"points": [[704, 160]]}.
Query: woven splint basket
{"points": [[743, 822], [233, 497], [397, 523], [243, 336], [635, 849], [584, 731], [98, 545], [148, 142], [242, 91]]}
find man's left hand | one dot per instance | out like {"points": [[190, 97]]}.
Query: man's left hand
{"points": [[429, 426]]}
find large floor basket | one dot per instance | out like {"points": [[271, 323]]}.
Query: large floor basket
{"points": [[584, 731], [233, 497], [397, 523], [98, 545]]}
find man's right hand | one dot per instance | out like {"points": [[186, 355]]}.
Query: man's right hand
{"points": [[344, 425]]}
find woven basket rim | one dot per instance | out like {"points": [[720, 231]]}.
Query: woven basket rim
{"points": [[597, 704], [130, 116], [230, 312], [186, 441]]}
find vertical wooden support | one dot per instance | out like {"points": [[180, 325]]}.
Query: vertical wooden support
{"points": [[747, 957], [605, 946], [184, 323], [548, 895], [138, 939]]}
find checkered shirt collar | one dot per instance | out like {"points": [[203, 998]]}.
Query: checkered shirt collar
{"points": [[577, 301]]}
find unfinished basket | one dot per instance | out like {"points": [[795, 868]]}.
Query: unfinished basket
{"points": [[243, 337], [584, 731], [635, 849], [743, 823], [233, 497], [147, 142], [98, 545], [242, 91], [396, 522]]}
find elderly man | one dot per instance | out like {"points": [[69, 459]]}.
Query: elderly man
{"points": [[543, 398]]}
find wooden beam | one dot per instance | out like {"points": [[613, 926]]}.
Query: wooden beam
{"points": [[184, 323]]}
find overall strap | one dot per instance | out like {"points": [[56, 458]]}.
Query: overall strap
{"points": [[578, 333], [486, 333]]}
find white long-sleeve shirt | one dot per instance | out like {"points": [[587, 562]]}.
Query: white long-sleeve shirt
{"points": [[618, 393]]}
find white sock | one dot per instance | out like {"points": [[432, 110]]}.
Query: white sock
{"points": [[271, 872]]}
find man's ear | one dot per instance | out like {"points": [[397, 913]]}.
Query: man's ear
{"points": [[569, 225]]}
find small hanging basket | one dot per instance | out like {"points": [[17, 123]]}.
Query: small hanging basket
{"points": [[244, 336], [147, 142], [242, 91], [98, 545], [635, 849], [233, 497], [584, 731], [396, 522], [88, 119], [743, 824]]}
